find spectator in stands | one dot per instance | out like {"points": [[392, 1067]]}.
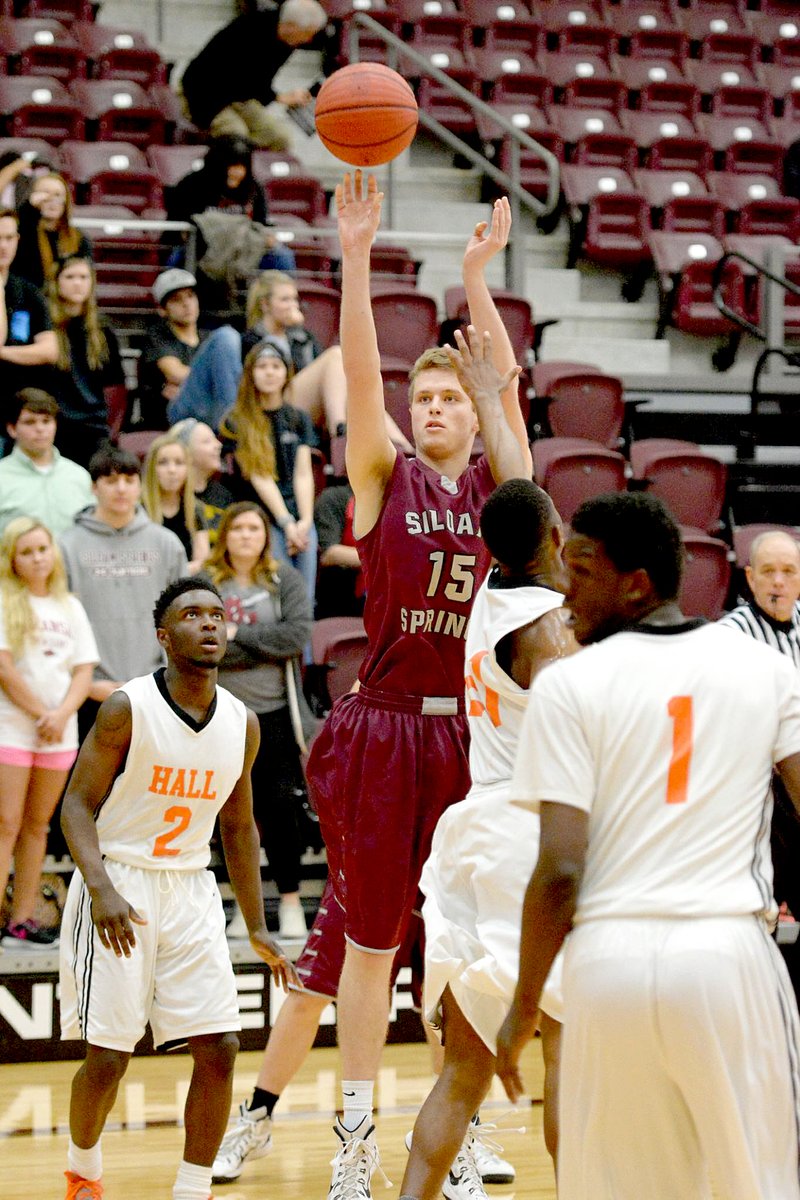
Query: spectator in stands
{"points": [[772, 615], [225, 184], [269, 622], [47, 653], [340, 580], [88, 359], [228, 85], [18, 175], [46, 233], [271, 442], [27, 341], [169, 499], [205, 449], [274, 312], [184, 371], [36, 480], [119, 562]]}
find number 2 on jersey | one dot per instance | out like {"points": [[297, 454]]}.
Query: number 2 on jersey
{"points": [[176, 815], [680, 711]]}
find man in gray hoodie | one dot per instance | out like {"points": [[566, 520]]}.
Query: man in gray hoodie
{"points": [[119, 562]]}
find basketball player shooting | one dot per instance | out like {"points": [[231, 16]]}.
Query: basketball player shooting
{"points": [[143, 935]]}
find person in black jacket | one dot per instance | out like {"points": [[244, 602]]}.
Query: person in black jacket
{"points": [[46, 232], [228, 85], [88, 360]]}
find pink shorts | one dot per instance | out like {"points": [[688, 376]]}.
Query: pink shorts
{"points": [[55, 760], [320, 964], [380, 777]]}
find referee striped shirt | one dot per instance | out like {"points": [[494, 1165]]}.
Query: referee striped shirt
{"points": [[783, 636]]}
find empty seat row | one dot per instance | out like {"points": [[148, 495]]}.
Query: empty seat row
{"points": [[45, 46]]}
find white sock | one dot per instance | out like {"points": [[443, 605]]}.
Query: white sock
{"points": [[86, 1164], [356, 1101], [192, 1182]]}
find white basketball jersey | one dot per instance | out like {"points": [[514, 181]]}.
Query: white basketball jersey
{"points": [[495, 703], [161, 809], [667, 739]]}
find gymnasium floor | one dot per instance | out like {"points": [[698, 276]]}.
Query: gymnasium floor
{"points": [[142, 1144]]}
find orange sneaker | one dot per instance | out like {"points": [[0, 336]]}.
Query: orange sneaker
{"points": [[83, 1189]]}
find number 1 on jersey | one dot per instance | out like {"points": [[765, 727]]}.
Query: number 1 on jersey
{"points": [[680, 710]]}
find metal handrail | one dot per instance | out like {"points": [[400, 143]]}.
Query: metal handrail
{"points": [[737, 318], [518, 195]]}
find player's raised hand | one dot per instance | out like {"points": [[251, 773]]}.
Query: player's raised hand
{"points": [[473, 364], [268, 950], [114, 919], [483, 245], [358, 209], [515, 1033]]}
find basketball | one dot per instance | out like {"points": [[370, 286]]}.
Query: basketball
{"points": [[366, 114]]}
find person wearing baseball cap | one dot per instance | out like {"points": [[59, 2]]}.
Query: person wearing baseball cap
{"points": [[185, 371]]}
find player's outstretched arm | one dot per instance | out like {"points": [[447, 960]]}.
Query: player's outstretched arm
{"points": [[240, 844], [547, 914], [473, 362], [370, 453], [487, 240], [101, 758]]}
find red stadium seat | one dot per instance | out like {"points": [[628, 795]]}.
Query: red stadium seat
{"points": [[581, 184], [112, 173], [121, 111], [708, 77], [694, 214], [59, 10], [607, 150], [297, 195], [756, 248], [522, 115], [533, 172], [670, 96], [708, 17], [649, 127], [786, 52], [515, 313], [617, 229], [734, 191], [114, 52], [554, 15], [596, 94], [706, 575], [493, 64], [742, 103], [39, 46], [690, 482], [585, 404], [781, 82], [339, 645], [639, 73], [599, 41], [485, 14], [573, 124], [320, 307], [658, 187], [172, 163], [779, 217], [406, 322], [685, 265], [722, 132], [545, 374], [444, 107], [659, 45], [395, 395], [36, 106], [735, 48], [755, 157], [693, 154], [572, 470], [631, 16]]}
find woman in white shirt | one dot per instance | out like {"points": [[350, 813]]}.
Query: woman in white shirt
{"points": [[47, 654]]}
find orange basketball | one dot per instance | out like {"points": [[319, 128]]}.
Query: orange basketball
{"points": [[366, 114]]}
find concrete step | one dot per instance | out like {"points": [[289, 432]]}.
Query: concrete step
{"points": [[614, 354]]}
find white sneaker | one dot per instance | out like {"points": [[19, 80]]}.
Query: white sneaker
{"points": [[463, 1180], [237, 926], [356, 1162], [493, 1168], [250, 1136], [292, 921]]}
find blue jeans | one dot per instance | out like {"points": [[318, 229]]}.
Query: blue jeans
{"points": [[305, 562], [279, 258], [213, 381]]}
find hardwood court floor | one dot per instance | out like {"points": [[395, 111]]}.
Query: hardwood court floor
{"points": [[142, 1145]]}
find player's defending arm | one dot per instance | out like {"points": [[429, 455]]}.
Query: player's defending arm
{"points": [[537, 645], [789, 771], [483, 314], [101, 758], [474, 365], [241, 846], [370, 453], [547, 914]]}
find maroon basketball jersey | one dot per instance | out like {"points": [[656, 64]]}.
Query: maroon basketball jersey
{"points": [[423, 562]]}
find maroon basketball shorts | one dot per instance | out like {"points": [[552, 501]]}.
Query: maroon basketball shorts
{"points": [[320, 964], [381, 772]]}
